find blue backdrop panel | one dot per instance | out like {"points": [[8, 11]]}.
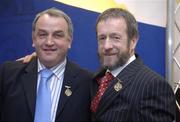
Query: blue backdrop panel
{"points": [[15, 40]]}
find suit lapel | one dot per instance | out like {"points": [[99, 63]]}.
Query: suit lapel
{"points": [[68, 82], [124, 78], [29, 81]]}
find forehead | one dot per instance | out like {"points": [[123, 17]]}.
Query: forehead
{"points": [[51, 22], [111, 25]]}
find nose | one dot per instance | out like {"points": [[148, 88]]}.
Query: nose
{"points": [[108, 44], [49, 40]]}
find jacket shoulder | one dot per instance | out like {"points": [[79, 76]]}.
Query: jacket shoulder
{"points": [[9, 66], [80, 70]]}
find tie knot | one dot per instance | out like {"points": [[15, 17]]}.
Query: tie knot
{"points": [[46, 73], [106, 78], [109, 76]]}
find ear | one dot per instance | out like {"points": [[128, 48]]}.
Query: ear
{"points": [[133, 43], [33, 39], [69, 46], [70, 42]]}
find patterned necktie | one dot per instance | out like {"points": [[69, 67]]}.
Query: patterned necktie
{"points": [[103, 85], [43, 99]]}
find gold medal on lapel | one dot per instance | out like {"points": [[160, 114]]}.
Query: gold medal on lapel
{"points": [[118, 86], [68, 91]]}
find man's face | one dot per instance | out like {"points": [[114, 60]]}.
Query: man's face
{"points": [[113, 47], [51, 40]]}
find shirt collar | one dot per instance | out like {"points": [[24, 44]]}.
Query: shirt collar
{"points": [[58, 70]]}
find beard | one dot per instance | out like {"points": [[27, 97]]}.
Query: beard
{"points": [[121, 59]]}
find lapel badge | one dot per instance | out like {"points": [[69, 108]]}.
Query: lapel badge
{"points": [[118, 86], [68, 91]]}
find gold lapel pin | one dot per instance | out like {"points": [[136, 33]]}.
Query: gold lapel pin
{"points": [[68, 91], [118, 86]]}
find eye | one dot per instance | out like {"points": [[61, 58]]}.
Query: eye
{"points": [[59, 35], [101, 38], [42, 35], [115, 37]]}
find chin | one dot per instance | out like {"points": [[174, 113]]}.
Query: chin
{"points": [[107, 66], [111, 65]]}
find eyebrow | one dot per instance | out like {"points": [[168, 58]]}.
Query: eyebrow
{"points": [[114, 33], [59, 31], [56, 31]]}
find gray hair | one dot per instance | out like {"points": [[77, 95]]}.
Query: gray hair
{"points": [[55, 13]]}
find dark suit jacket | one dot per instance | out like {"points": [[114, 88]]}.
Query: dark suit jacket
{"points": [[145, 97], [18, 93]]}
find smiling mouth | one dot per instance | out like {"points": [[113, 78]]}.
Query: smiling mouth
{"points": [[110, 54], [49, 50]]}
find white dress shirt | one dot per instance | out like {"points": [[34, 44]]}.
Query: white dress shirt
{"points": [[56, 82]]}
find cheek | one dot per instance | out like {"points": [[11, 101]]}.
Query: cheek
{"points": [[100, 50], [34, 44], [100, 47], [122, 46], [37, 41], [37, 44], [63, 46]]}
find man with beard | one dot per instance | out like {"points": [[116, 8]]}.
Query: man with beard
{"points": [[134, 93]]}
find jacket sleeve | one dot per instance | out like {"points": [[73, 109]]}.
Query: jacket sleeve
{"points": [[158, 103]]}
